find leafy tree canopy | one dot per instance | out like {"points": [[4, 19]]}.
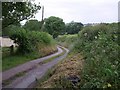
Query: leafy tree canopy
{"points": [[14, 12], [73, 27], [33, 25], [54, 26], [10, 29]]}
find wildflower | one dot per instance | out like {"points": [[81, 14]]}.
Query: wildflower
{"points": [[103, 50], [85, 34], [104, 86], [109, 85], [95, 37]]}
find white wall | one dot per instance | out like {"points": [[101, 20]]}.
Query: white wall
{"points": [[6, 42]]}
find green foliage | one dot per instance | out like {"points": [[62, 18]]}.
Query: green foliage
{"points": [[67, 40], [14, 12], [73, 27], [11, 28], [33, 25], [54, 26], [30, 41], [99, 47]]}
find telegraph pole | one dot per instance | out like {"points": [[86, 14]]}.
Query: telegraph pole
{"points": [[42, 18], [42, 13]]}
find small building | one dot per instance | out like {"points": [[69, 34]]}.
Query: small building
{"points": [[6, 42]]}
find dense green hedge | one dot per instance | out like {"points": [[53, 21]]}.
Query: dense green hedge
{"points": [[99, 46], [30, 41]]}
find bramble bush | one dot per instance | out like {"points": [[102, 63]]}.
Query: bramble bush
{"points": [[99, 46], [30, 41]]}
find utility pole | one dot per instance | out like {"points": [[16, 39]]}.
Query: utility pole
{"points": [[42, 18], [42, 13]]}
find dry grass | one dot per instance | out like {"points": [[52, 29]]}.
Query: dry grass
{"points": [[47, 50], [71, 66]]}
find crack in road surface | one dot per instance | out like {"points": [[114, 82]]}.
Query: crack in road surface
{"points": [[37, 73]]}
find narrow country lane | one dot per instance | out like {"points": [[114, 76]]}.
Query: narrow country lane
{"points": [[36, 73], [11, 72]]}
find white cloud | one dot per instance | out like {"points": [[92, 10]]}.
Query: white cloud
{"points": [[84, 11]]}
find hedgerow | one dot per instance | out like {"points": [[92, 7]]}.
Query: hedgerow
{"points": [[99, 46], [30, 41]]}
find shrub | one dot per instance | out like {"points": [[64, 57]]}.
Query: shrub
{"points": [[67, 40], [30, 41], [90, 33], [99, 47], [11, 28]]}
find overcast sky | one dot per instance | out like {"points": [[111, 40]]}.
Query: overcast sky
{"points": [[85, 11]]}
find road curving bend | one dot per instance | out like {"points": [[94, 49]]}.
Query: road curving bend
{"points": [[36, 73], [11, 72]]}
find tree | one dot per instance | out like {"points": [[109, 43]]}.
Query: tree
{"points": [[14, 12], [10, 29], [33, 25], [73, 27], [54, 26]]}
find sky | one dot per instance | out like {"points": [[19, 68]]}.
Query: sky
{"points": [[85, 11]]}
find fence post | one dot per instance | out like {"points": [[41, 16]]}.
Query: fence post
{"points": [[11, 49]]}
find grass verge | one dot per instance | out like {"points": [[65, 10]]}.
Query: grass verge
{"points": [[50, 59], [56, 77], [15, 60]]}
